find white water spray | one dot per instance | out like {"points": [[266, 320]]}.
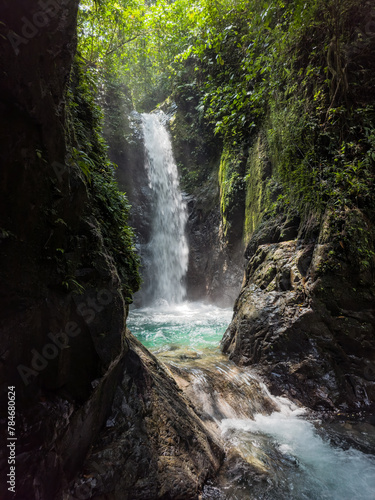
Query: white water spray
{"points": [[292, 455], [168, 248]]}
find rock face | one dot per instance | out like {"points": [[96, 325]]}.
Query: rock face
{"points": [[63, 342], [54, 341], [215, 261], [34, 212], [153, 445], [215, 268], [305, 316], [123, 133]]}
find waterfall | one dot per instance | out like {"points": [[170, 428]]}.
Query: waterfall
{"points": [[168, 249]]}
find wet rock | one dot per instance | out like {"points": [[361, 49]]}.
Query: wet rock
{"points": [[305, 316], [155, 445], [215, 266], [215, 269]]}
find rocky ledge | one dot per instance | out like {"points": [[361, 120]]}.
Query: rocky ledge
{"points": [[153, 444], [305, 317]]}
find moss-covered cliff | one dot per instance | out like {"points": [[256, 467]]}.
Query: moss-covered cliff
{"points": [[305, 315]]}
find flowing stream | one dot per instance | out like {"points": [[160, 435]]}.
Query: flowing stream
{"points": [[275, 450]]}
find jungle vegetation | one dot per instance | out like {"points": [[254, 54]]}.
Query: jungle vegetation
{"points": [[300, 72]]}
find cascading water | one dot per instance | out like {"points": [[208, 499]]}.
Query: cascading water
{"points": [[275, 451], [168, 248]]}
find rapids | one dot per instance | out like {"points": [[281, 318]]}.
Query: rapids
{"points": [[275, 449]]}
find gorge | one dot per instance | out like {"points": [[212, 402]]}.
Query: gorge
{"points": [[249, 181], [274, 449]]}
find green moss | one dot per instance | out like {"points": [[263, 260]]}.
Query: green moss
{"points": [[354, 237], [196, 150], [307, 82], [232, 189], [258, 171], [110, 207], [320, 130]]}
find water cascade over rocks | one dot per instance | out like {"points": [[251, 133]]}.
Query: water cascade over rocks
{"points": [[168, 249], [275, 450]]}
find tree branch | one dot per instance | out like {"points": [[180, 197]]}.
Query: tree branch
{"points": [[109, 52]]}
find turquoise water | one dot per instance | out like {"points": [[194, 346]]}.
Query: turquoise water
{"points": [[194, 326], [302, 464], [290, 451]]}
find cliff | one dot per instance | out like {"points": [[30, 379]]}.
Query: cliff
{"points": [[67, 274], [305, 317]]}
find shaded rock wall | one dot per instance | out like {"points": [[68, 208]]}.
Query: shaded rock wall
{"points": [[32, 181], [215, 269], [62, 318], [123, 133], [215, 258], [51, 343]]}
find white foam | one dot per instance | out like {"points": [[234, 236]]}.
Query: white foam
{"points": [[327, 471]]}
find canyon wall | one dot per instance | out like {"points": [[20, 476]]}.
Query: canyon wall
{"points": [[67, 273]]}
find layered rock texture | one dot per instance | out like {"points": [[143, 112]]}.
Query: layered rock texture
{"points": [[305, 316]]}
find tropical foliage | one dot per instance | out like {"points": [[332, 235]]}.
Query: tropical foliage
{"points": [[298, 72], [110, 206]]}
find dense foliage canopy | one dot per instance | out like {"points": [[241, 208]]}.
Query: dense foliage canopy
{"points": [[301, 72]]}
